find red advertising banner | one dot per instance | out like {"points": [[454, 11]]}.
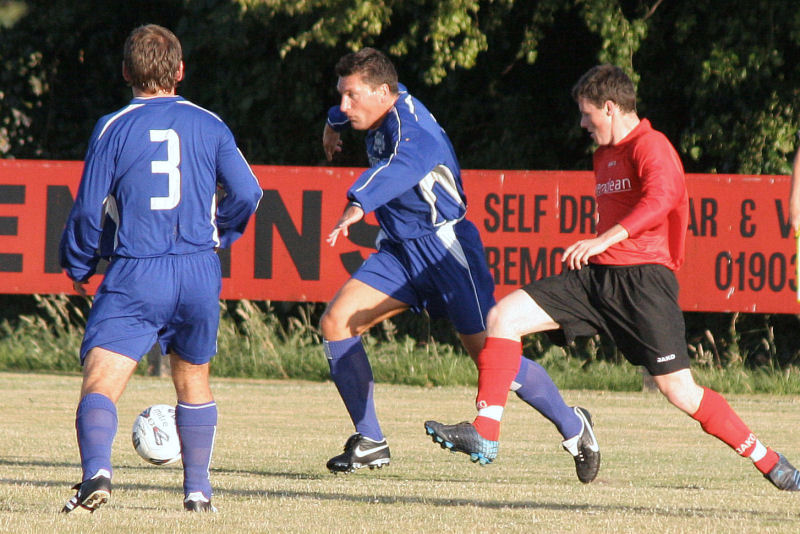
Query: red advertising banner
{"points": [[739, 253]]}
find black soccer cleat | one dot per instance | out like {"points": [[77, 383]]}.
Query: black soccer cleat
{"points": [[197, 502], [360, 451], [784, 476], [463, 437], [584, 448], [92, 494]]}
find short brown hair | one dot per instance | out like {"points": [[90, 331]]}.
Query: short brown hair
{"points": [[606, 82], [373, 66], [152, 57]]}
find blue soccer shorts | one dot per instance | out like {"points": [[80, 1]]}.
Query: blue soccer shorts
{"points": [[444, 273], [173, 299]]}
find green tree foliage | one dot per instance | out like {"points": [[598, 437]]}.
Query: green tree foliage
{"points": [[497, 73], [723, 80], [60, 68]]}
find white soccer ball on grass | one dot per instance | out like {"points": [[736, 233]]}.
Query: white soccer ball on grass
{"points": [[155, 435]]}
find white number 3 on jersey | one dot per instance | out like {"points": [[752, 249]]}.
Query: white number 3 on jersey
{"points": [[168, 167]]}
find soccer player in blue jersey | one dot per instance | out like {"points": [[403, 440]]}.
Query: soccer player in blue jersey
{"points": [[429, 257], [148, 201]]}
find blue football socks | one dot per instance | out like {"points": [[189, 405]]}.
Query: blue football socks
{"points": [[197, 426], [96, 425], [352, 374], [534, 386]]}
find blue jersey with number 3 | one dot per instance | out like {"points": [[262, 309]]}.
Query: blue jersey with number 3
{"points": [[149, 186]]}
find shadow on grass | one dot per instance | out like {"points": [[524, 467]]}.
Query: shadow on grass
{"points": [[394, 500], [268, 495], [512, 505]]}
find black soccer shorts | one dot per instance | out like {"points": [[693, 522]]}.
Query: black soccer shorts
{"points": [[637, 305]]}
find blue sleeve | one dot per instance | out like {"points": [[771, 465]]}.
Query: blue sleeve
{"points": [[78, 250], [241, 192], [337, 120], [411, 160]]}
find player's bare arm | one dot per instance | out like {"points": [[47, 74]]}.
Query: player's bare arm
{"points": [[79, 287], [352, 214], [577, 254], [794, 196], [331, 142]]}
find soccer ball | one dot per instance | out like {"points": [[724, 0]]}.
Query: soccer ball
{"points": [[155, 435]]}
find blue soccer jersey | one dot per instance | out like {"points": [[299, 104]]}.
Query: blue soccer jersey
{"points": [[430, 257], [156, 166], [414, 181]]}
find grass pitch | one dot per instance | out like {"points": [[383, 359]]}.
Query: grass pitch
{"points": [[660, 472]]}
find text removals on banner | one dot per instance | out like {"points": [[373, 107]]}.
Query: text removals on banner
{"points": [[739, 255]]}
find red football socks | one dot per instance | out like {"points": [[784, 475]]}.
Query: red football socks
{"points": [[717, 418], [498, 364]]}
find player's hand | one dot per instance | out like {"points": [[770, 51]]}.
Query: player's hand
{"points": [[794, 218], [577, 254], [331, 142], [79, 287], [352, 214]]}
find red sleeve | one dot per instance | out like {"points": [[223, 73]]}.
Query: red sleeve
{"points": [[662, 181]]}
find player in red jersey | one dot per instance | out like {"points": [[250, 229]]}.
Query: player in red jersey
{"points": [[620, 282]]}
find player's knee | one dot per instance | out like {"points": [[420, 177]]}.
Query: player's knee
{"points": [[326, 324], [493, 320], [500, 322], [334, 325], [684, 395]]}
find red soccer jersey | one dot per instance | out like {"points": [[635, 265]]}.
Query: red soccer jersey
{"points": [[640, 184]]}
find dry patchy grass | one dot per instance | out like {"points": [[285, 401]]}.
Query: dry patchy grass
{"points": [[660, 472]]}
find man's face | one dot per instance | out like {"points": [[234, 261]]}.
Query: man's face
{"points": [[363, 104], [597, 121]]}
